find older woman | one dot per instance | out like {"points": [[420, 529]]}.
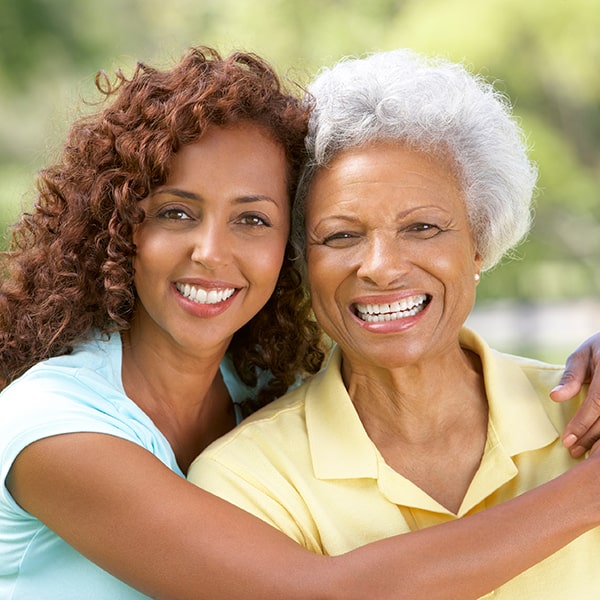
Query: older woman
{"points": [[418, 181]]}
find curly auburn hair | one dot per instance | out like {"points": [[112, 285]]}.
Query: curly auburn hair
{"points": [[68, 270]]}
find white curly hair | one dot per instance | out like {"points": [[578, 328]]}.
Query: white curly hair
{"points": [[434, 105]]}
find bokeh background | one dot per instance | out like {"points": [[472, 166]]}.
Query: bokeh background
{"points": [[544, 54]]}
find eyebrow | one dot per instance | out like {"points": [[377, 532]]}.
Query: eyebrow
{"points": [[335, 217], [403, 214], [191, 196]]}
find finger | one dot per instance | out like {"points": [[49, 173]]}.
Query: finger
{"points": [[584, 427], [576, 373], [595, 450], [568, 388], [586, 443]]}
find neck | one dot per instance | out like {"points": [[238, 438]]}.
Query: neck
{"points": [[423, 417], [183, 393], [417, 393]]}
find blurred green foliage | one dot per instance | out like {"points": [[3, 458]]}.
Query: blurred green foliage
{"points": [[544, 54]]}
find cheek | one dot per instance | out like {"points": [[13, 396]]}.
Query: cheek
{"points": [[156, 253], [318, 284], [326, 267], [451, 262], [150, 253], [313, 274], [322, 280], [265, 260], [149, 241]]}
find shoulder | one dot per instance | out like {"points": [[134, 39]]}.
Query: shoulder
{"points": [[265, 445], [288, 419], [540, 373], [276, 439], [253, 465], [79, 392], [521, 383], [269, 425], [84, 377]]}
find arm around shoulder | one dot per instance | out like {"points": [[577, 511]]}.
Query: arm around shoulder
{"points": [[122, 508]]}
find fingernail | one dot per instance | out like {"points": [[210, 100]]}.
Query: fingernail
{"points": [[569, 440]]}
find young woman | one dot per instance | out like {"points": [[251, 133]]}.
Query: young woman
{"points": [[149, 297]]}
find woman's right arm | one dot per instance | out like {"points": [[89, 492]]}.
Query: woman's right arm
{"points": [[123, 509]]}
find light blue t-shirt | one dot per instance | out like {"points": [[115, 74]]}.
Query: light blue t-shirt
{"points": [[79, 392]]}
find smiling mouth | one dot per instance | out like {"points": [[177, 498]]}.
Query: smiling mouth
{"points": [[202, 296], [380, 313]]}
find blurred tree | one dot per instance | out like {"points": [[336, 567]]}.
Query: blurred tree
{"points": [[543, 53], [44, 37]]}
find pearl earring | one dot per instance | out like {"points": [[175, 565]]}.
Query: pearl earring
{"points": [[477, 277]]}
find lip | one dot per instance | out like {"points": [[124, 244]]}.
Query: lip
{"points": [[204, 298], [204, 295], [206, 283], [390, 313]]}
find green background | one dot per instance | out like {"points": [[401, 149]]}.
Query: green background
{"points": [[545, 54]]}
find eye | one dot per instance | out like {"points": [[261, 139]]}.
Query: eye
{"points": [[340, 239], [254, 220], [424, 230], [173, 214]]}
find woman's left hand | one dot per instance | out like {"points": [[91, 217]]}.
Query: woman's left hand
{"points": [[583, 366]]}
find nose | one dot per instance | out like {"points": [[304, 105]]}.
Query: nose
{"points": [[382, 261], [210, 246]]}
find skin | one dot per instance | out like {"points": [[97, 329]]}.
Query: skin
{"points": [[386, 224], [172, 540], [583, 430], [205, 238]]}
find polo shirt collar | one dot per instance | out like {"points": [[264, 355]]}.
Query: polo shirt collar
{"points": [[339, 444], [516, 413], [341, 448]]}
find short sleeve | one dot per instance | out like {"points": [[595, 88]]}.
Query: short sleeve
{"points": [[59, 401]]}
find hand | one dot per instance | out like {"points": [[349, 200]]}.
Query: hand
{"points": [[583, 366]]}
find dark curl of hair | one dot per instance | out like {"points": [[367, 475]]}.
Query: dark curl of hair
{"points": [[68, 270]]}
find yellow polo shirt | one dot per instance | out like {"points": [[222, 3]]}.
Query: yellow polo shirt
{"points": [[306, 465]]}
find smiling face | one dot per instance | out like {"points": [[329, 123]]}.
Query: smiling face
{"points": [[391, 259], [212, 244]]}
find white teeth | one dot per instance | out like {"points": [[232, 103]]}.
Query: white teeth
{"points": [[202, 296], [378, 313]]}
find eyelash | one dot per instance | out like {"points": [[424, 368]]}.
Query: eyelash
{"points": [[167, 213], [426, 228], [342, 235], [174, 213], [251, 220]]}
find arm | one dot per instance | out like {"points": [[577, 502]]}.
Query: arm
{"points": [[174, 541], [582, 365], [460, 565]]}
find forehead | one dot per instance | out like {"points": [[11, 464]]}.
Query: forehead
{"points": [[218, 143], [242, 157], [386, 171]]}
